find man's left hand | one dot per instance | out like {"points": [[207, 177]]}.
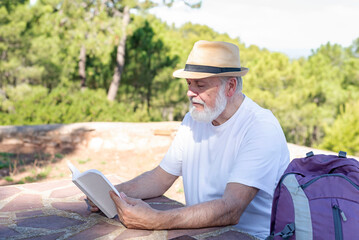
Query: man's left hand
{"points": [[134, 213]]}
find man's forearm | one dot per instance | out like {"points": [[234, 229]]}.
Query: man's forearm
{"points": [[140, 187], [150, 184], [135, 213], [208, 214], [220, 212]]}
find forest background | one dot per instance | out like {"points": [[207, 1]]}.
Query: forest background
{"points": [[65, 61]]}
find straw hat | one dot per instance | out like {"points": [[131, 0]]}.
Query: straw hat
{"points": [[211, 59]]}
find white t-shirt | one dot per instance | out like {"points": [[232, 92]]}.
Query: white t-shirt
{"points": [[249, 148]]}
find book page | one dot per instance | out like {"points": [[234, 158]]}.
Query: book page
{"points": [[73, 169], [96, 187]]}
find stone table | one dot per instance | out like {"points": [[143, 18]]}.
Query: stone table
{"points": [[57, 210]]}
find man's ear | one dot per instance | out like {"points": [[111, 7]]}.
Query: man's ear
{"points": [[232, 86]]}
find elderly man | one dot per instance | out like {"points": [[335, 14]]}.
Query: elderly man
{"points": [[230, 152]]}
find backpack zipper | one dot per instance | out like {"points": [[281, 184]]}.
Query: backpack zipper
{"points": [[338, 216], [305, 185]]}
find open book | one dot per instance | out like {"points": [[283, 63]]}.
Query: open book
{"points": [[96, 187]]}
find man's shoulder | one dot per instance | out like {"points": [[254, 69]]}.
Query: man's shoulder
{"points": [[252, 106], [256, 119], [256, 113]]}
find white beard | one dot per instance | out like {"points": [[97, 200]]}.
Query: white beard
{"points": [[208, 114]]}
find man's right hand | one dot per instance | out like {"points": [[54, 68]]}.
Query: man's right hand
{"points": [[150, 184]]}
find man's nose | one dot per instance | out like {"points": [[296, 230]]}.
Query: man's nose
{"points": [[191, 92]]}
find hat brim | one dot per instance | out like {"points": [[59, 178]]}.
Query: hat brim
{"points": [[181, 73]]}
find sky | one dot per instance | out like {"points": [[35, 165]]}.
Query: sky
{"points": [[293, 27]]}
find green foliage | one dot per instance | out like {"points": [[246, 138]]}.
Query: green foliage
{"points": [[8, 179], [64, 104], [305, 94], [9, 5], [83, 161], [5, 159], [59, 155], [343, 135], [146, 58], [192, 4], [315, 99]]}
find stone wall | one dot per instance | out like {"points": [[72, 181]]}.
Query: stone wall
{"points": [[65, 138], [97, 136]]}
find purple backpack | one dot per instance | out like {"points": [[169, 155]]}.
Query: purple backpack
{"points": [[317, 198]]}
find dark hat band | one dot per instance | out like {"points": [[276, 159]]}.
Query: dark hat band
{"points": [[209, 69]]}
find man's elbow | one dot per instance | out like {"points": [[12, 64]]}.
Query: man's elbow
{"points": [[234, 219], [233, 216], [233, 213]]}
